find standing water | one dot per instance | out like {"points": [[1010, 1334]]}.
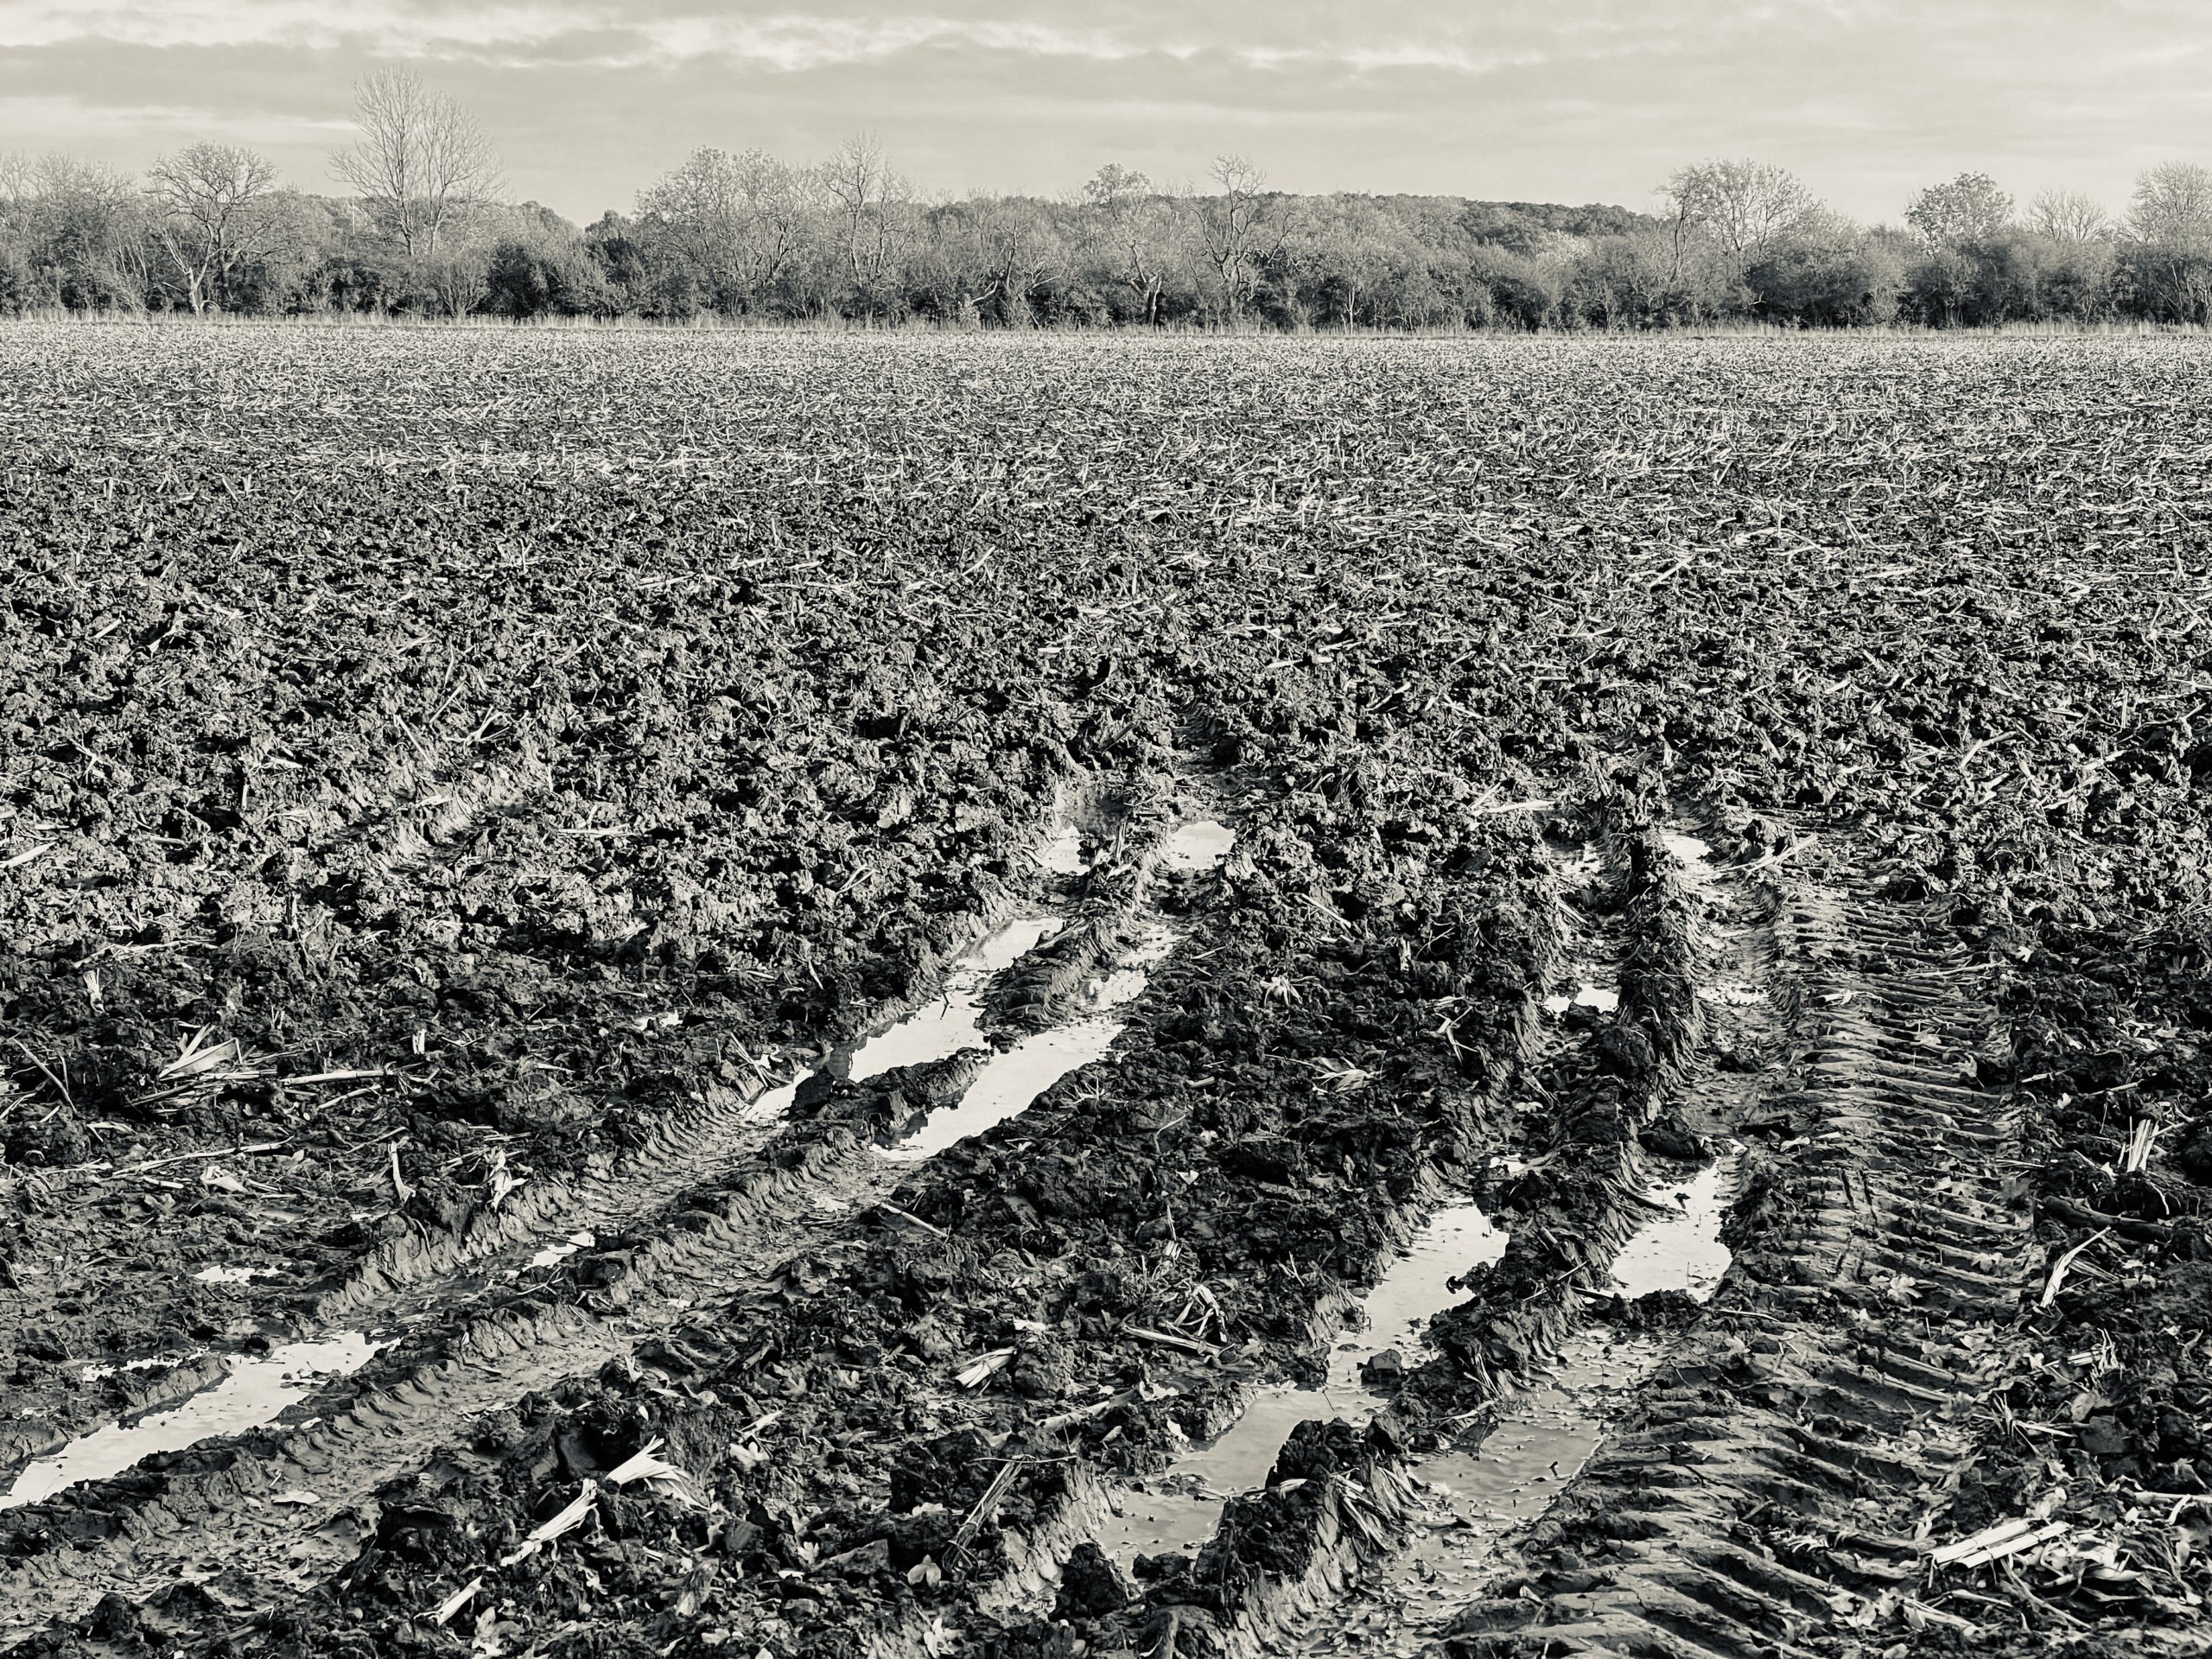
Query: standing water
{"points": [[943, 1028], [256, 1392], [1009, 1082], [1184, 1510], [1473, 1501]]}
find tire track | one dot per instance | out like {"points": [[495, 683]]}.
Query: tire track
{"points": [[422, 1274], [1606, 1052], [1787, 1470], [805, 1190], [213, 1514], [1465, 1500]]}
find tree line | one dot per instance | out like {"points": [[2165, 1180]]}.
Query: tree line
{"points": [[422, 230]]}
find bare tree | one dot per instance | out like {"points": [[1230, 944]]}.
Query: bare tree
{"points": [[455, 281], [2170, 233], [1017, 248], [210, 202], [874, 212], [1967, 210], [2067, 216], [2173, 206], [18, 190], [1133, 227], [1743, 207], [1239, 233], [78, 230], [1345, 254], [421, 160]]}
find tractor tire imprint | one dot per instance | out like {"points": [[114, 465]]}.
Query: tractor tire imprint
{"points": [[1787, 1470]]}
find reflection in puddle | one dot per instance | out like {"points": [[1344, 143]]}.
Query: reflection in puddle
{"points": [[1063, 854], [1470, 1502], [222, 1275], [567, 1248], [774, 1105], [1602, 998], [1184, 1510], [943, 1028], [951, 1024], [1008, 1082], [256, 1391], [1473, 1502], [936, 1031], [1196, 844], [151, 1362], [1681, 1251]]}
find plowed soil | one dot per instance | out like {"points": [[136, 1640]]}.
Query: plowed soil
{"points": [[470, 803]]}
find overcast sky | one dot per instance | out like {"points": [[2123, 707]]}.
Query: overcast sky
{"points": [[1561, 100]]}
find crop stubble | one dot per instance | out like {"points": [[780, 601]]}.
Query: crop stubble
{"points": [[449, 776]]}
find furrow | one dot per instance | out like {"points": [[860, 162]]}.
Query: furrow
{"points": [[209, 1509]]}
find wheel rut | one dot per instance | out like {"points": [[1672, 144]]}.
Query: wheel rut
{"points": [[737, 1197], [216, 1510], [1788, 1467], [1645, 1011]]}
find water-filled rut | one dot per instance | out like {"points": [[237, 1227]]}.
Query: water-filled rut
{"points": [[496, 1344]]}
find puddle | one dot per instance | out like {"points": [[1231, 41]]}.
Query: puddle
{"points": [[949, 1025], [936, 1031], [1544, 1435], [1008, 1082], [1605, 1000], [952, 1023], [221, 1275], [1063, 854], [1472, 1503], [1680, 1251], [256, 1391], [1196, 844], [1125, 982], [773, 1105], [561, 1252], [1183, 1510], [1469, 1503], [1688, 848], [152, 1362]]}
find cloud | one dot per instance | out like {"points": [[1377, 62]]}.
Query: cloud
{"points": [[1560, 99], [1396, 55], [67, 119], [795, 43], [403, 28], [574, 31]]}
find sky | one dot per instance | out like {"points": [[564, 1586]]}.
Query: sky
{"points": [[1552, 100]]}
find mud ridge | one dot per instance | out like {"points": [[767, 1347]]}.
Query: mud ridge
{"points": [[1068, 1291], [424, 1269], [1336, 1506], [1489, 1475]]}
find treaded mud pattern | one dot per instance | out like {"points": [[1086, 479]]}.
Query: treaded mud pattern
{"points": [[716, 1203], [1789, 1463]]}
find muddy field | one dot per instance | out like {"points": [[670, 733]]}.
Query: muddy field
{"points": [[811, 996]]}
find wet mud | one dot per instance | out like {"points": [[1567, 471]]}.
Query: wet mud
{"points": [[833, 997]]}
